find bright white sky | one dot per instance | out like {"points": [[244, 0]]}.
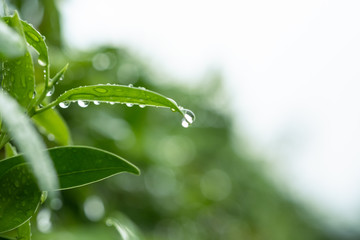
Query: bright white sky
{"points": [[291, 67]]}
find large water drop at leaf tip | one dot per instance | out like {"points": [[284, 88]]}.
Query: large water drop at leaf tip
{"points": [[189, 118], [83, 104]]}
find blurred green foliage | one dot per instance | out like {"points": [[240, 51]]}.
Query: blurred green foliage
{"points": [[194, 183]]}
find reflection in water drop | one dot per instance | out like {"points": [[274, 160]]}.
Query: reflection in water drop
{"points": [[83, 104], [51, 91], [41, 62], [189, 118], [65, 104]]}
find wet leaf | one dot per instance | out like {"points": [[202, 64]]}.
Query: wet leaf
{"points": [[53, 126], [12, 45]]}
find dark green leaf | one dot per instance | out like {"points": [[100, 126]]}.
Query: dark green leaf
{"points": [[52, 124], [18, 73], [19, 195], [24, 231], [78, 165]]}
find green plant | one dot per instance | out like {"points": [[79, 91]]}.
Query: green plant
{"points": [[27, 178]]}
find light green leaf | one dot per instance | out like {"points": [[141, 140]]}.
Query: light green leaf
{"points": [[18, 73], [19, 196], [53, 126], [12, 45], [28, 141], [10, 150], [79, 165], [121, 94], [24, 231]]}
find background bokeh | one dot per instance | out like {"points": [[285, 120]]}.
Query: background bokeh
{"points": [[203, 182]]}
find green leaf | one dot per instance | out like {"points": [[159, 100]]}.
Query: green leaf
{"points": [[19, 196], [52, 124], [28, 141], [36, 40], [79, 165], [18, 73], [12, 45], [10, 150], [24, 231]]}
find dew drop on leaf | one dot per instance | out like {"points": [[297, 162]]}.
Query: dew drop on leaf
{"points": [[41, 62], [83, 104], [111, 103], [50, 92], [96, 102], [141, 106], [129, 104], [65, 104]]}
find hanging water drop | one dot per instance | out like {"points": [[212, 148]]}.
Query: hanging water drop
{"points": [[41, 62], [130, 85], [34, 95], [65, 104], [189, 118], [141, 106], [83, 104], [129, 104], [184, 123], [111, 103], [50, 92], [96, 102]]}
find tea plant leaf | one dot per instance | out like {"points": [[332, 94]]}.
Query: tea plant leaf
{"points": [[117, 94], [79, 165], [53, 126], [19, 196], [12, 44], [18, 73], [36, 40], [28, 141]]}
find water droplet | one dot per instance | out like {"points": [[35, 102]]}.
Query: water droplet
{"points": [[65, 104], [129, 104], [184, 123], [61, 78], [83, 104], [51, 137], [34, 95], [41, 62], [96, 102], [189, 118], [142, 106], [130, 85], [50, 92], [111, 103]]}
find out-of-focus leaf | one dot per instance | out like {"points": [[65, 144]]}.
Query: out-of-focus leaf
{"points": [[125, 227], [28, 141], [19, 196], [18, 73], [52, 124], [77, 165], [12, 45]]}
